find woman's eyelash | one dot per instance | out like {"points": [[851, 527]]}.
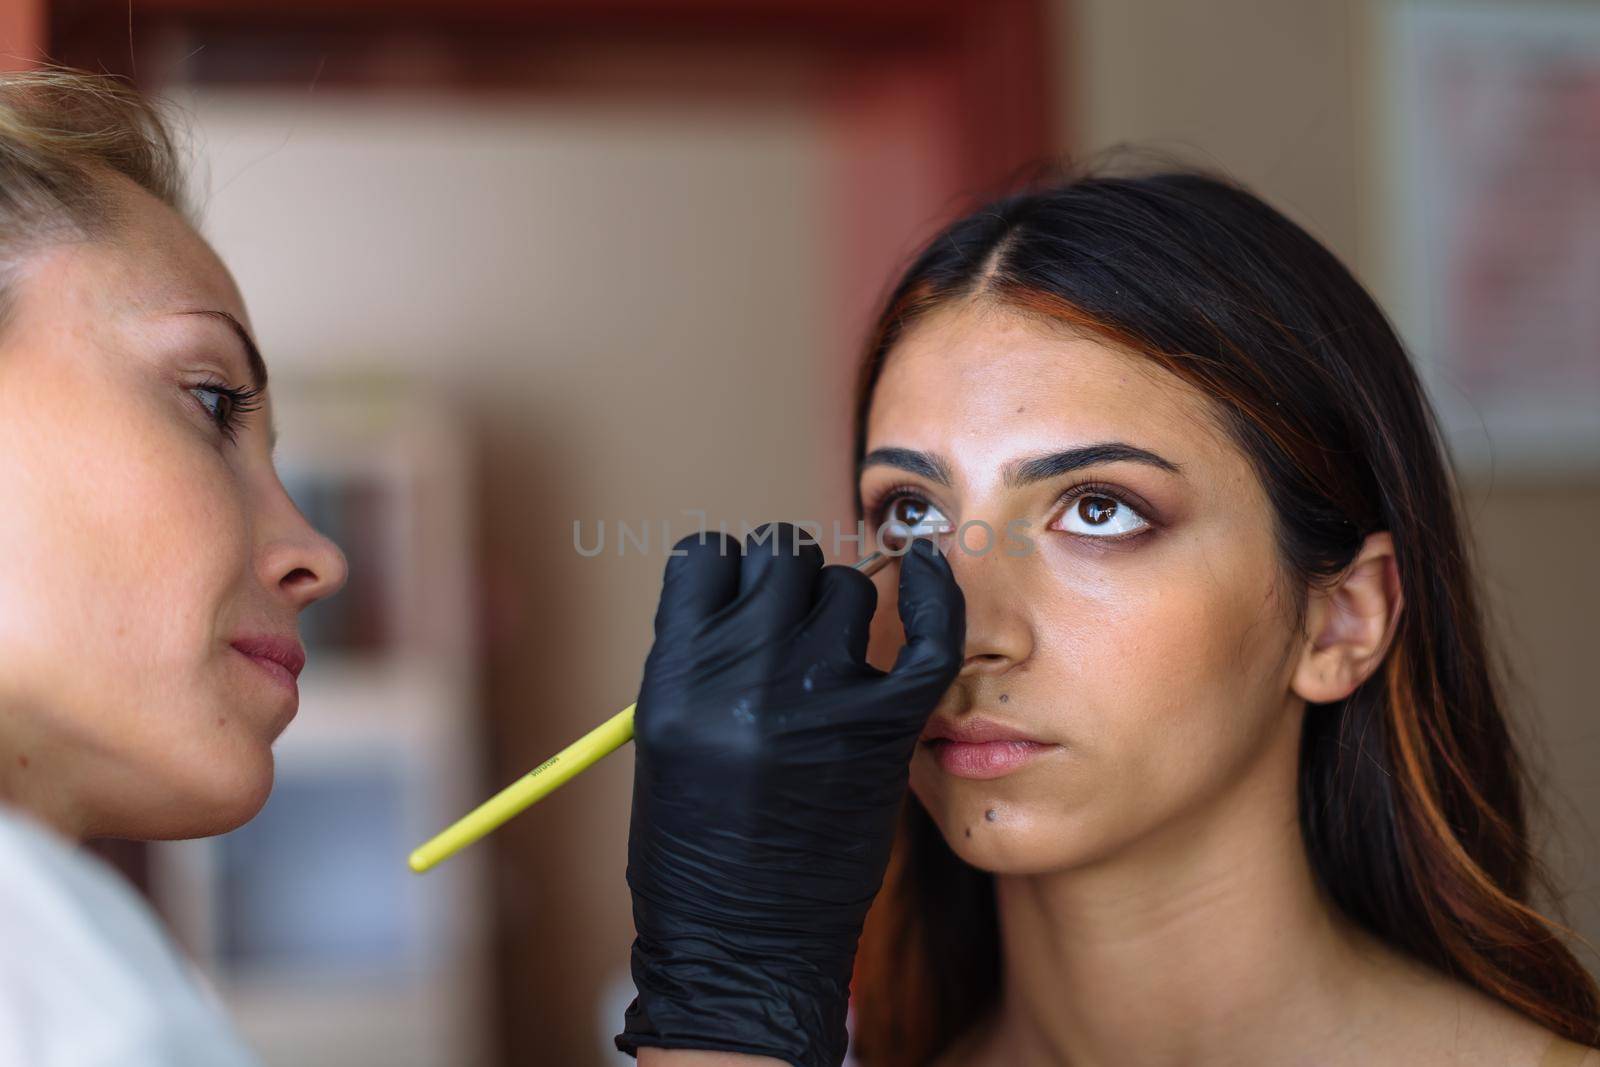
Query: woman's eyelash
{"points": [[236, 402], [1100, 489]]}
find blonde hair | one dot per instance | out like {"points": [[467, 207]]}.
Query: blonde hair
{"points": [[63, 134]]}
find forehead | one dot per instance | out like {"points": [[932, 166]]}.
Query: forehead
{"points": [[979, 379], [134, 291], [155, 262]]}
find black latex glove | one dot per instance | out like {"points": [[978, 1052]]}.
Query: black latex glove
{"points": [[770, 764]]}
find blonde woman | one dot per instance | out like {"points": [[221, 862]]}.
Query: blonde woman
{"points": [[154, 569]]}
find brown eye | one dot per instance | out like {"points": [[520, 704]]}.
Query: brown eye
{"points": [[907, 511], [907, 516], [223, 412], [1100, 515], [1097, 510]]}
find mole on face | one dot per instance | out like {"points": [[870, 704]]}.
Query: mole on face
{"points": [[1004, 699], [969, 831], [991, 815], [22, 761]]}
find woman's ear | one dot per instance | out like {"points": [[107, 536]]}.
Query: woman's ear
{"points": [[1349, 624]]}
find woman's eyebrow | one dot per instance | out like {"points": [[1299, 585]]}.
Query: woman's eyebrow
{"points": [[1020, 472], [258, 366], [929, 465]]}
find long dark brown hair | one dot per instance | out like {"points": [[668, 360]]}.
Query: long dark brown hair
{"points": [[1412, 796]]}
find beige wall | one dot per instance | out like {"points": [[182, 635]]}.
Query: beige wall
{"points": [[1279, 93], [1537, 545], [628, 307], [1260, 88]]}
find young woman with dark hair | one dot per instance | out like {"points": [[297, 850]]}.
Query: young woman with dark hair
{"points": [[1222, 773]]}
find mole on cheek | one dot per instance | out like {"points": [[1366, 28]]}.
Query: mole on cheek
{"points": [[222, 720], [1004, 699], [991, 815], [22, 761], [969, 831]]}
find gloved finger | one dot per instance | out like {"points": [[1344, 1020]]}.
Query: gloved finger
{"points": [[933, 612], [842, 619], [777, 577], [702, 578]]}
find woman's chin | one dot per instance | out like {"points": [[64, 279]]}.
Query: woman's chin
{"points": [[230, 801], [1002, 853], [1010, 837], [205, 801]]}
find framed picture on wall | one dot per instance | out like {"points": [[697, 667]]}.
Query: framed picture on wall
{"points": [[1491, 165]]}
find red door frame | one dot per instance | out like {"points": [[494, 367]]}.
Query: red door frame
{"points": [[926, 102]]}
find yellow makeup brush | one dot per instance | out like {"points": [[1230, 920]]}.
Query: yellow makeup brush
{"points": [[553, 773]]}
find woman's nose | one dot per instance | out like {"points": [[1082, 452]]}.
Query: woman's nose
{"points": [[320, 573], [297, 562], [999, 635]]}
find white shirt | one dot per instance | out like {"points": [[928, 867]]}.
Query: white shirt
{"points": [[88, 978]]}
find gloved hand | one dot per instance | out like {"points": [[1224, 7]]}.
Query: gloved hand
{"points": [[770, 764]]}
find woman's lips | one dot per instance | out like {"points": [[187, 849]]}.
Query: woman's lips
{"points": [[281, 659], [980, 748], [277, 671], [984, 759]]}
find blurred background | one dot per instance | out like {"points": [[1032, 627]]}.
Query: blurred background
{"points": [[524, 265]]}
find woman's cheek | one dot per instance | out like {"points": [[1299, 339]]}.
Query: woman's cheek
{"points": [[1200, 699], [887, 635], [925, 782], [164, 550], [1132, 672]]}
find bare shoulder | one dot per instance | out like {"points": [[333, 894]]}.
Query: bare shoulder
{"points": [[1460, 1025], [1562, 1053]]}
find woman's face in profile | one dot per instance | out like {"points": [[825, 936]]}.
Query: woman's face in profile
{"points": [[1135, 622], [149, 546]]}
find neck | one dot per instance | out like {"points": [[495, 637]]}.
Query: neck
{"points": [[32, 776], [1207, 942]]}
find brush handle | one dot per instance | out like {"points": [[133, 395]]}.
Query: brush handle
{"points": [[552, 774], [528, 790]]}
